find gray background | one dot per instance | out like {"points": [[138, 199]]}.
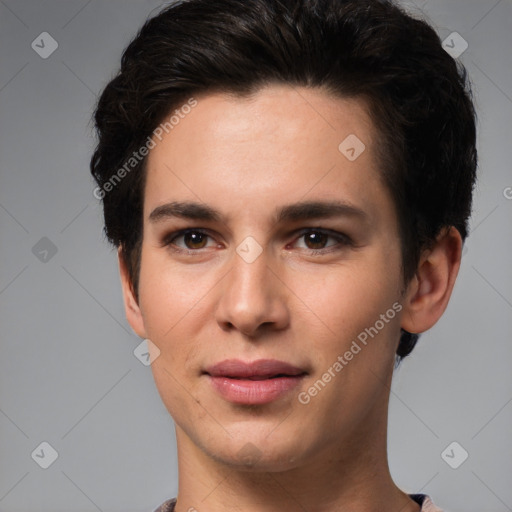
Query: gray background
{"points": [[68, 375]]}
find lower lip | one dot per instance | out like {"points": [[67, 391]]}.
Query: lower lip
{"points": [[254, 392]]}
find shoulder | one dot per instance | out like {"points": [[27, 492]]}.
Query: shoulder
{"points": [[428, 506], [426, 503], [168, 506]]}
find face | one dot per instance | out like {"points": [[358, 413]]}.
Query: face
{"points": [[270, 277]]}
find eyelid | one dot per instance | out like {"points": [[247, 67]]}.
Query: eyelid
{"points": [[337, 235], [168, 239], [341, 238]]}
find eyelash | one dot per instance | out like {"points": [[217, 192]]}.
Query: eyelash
{"points": [[342, 240]]}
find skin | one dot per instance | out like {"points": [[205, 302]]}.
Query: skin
{"points": [[247, 158]]}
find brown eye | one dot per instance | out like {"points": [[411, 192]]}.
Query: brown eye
{"points": [[195, 240], [315, 240], [189, 240], [321, 241]]}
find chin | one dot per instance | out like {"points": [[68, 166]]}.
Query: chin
{"points": [[259, 453], [249, 458]]}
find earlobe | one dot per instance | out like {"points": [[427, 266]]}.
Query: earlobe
{"points": [[131, 306], [430, 289]]}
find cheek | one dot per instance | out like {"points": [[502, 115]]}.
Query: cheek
{"points": [[172, 310], [348, 299], [173, 314], [170, 297], [355, 317]]}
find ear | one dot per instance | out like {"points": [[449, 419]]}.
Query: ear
{"points": [[131, 306], [430, 289]]}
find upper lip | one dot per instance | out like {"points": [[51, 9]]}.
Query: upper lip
{"points": [[262, 368]]}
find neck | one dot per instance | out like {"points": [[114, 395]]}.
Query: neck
{"points": [[352, 476]]}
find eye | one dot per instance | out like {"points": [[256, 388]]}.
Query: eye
{"points": [[318, 240], [190, 239]]}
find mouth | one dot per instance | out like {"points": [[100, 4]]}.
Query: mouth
{"points": [[254, 383]]}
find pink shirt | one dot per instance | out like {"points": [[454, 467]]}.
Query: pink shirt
{"points": [[421, 499]]}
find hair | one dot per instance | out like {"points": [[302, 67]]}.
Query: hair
{"points": [[418, 96]]}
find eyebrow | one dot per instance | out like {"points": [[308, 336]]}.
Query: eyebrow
{"points": [[184, 210], [302, 211], [308, 210]]}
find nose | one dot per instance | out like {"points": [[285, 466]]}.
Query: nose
{"points": [[253, 299]]}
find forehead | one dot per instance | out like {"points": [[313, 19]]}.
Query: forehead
{"points": [[280, 144]]}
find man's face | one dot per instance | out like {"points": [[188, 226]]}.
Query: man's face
{"points": [[298, 268]]}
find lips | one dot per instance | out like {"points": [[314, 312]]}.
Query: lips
{"points": [[257, 370], [256, 382]]}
